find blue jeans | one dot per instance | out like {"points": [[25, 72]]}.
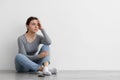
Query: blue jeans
{"points": [[24, 64]]}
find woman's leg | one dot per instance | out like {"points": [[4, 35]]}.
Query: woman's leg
{"points": [[46, 60], [18, 67], [24, 64]]}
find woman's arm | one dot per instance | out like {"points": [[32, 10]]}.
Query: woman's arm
{"points": [[45, 39], [21, 48]]}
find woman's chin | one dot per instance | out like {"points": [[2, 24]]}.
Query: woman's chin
{"points": [[35, 31]]}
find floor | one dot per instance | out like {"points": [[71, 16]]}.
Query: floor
{"points": [[63, 75]]}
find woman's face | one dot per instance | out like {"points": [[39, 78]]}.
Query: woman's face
{"points": [[33, 26]]}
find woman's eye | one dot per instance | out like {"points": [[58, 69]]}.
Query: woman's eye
{"points": [[33, 23]]}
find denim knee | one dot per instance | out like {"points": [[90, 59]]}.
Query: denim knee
{"points": [[45, 48], [19, 56]]}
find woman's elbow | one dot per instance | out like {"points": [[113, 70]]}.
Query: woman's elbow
{"points": [[48, 43]]}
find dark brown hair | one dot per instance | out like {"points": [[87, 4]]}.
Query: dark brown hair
{"points": [[30, 19]]}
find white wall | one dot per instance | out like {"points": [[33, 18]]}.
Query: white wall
{"points": [[85, 33]]}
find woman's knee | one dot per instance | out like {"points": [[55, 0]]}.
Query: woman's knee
{"points": [[19, 56], [45, 48]]}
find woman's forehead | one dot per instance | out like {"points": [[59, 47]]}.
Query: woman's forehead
{"points": [[35, 21]]}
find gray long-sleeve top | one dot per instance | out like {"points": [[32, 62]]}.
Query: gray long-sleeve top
{"points": [[29, 49]]}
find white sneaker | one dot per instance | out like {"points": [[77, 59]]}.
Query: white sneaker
{"points": [[40, 74], [46, 71], [53, 70]]}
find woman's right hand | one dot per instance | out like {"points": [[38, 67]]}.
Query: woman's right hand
{"points": [[40, 27], [43, 54]]}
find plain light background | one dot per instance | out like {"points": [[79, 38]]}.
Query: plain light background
{"points": [[85, 34]]}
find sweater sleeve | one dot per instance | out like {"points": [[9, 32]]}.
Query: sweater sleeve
{"points": [[21, 50], [45, 39]]}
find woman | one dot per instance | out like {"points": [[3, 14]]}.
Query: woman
{"points": [[28, 60]]}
